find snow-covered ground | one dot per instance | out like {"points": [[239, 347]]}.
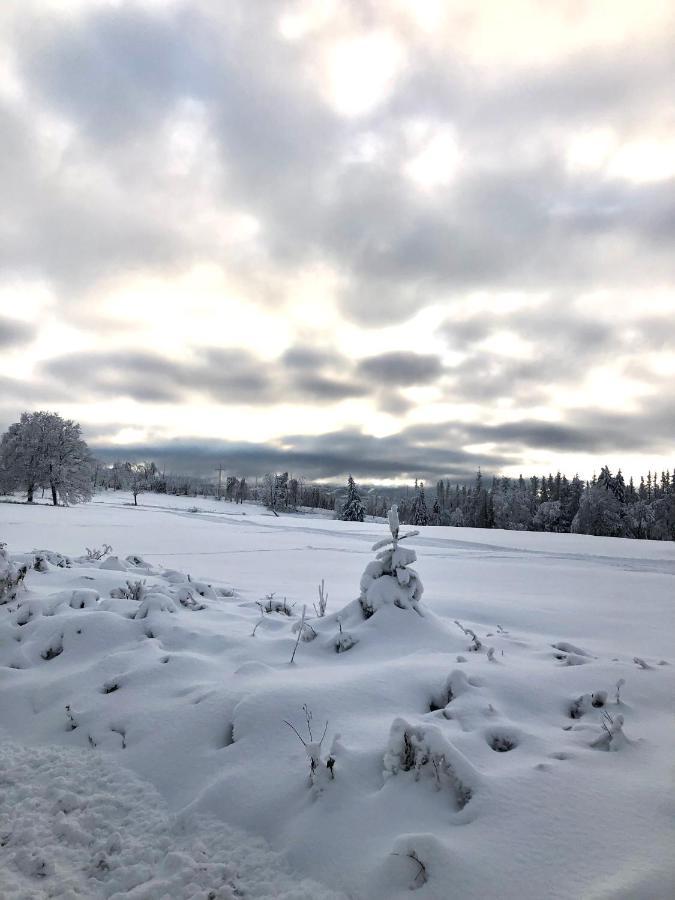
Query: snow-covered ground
{"points": [[458, 773]]}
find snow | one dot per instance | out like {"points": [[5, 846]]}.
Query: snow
{"points": [[78, 825], [458, 772]]}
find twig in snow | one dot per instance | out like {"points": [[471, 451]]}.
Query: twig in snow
{"points": [[422, 875], [323, 601], [469, 632], [297, 641], [313, 748]]}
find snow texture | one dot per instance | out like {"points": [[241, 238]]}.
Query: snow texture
{"points": [[75, 824], [143, 750]]}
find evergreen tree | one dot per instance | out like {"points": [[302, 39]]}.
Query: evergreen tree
{"points": [[420, 514], [353, 509], [570, 503]]}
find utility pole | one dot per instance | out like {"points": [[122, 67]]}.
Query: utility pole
{"points": [[220, 478]]}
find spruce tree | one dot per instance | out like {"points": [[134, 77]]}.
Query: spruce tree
{"points": [[420, 514], [353, 509]]}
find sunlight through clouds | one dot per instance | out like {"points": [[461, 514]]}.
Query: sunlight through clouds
{"points": [[317, 218], [436, 155], [361, 71]]}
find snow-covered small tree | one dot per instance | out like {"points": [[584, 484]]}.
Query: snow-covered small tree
{"points": [[11, 576], [353, 509], [388, 580], [138, 477], [457, 517]]}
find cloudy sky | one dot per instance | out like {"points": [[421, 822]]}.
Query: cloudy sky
{"points": [[398, 237]]}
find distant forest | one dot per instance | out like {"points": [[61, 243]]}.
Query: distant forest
{"points": [[606, 505]]}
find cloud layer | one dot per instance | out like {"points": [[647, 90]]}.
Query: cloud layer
{"points": [[332, 225]]}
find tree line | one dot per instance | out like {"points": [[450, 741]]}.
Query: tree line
{"points": [[605, 505], [44, 452]]}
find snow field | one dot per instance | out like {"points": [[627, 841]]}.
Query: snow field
{"points": [[457, 771]]}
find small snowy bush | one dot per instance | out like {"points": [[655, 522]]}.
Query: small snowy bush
{"points": [[426, 752], [84, 598], [613, 738], [11, 576], [270, 605], [42, 559], [155, 603], [319, 768], [135, 590], [344, 640], [388, 580], [187, 600], [96, 553]]}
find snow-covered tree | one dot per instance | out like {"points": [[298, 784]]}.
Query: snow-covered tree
{"points": [[281, 489], [44, 450], [138, 477], [420, 514], [241, 494], [231, 486], [547, 516], [457, 517], [600, 510], [387, 580], [353, 509], [23, 453]]}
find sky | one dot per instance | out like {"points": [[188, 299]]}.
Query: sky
{"points": [[400, 239]]}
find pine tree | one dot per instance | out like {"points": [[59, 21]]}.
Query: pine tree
{"points": [[353, 509], [420, 514]]}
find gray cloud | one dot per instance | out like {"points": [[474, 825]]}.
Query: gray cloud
{"points": [[14, 332], [102, 201], [119, 74], [564, 343], [331, 455], [423, 451], [650, 430], [226, 376], [401, 368]]}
